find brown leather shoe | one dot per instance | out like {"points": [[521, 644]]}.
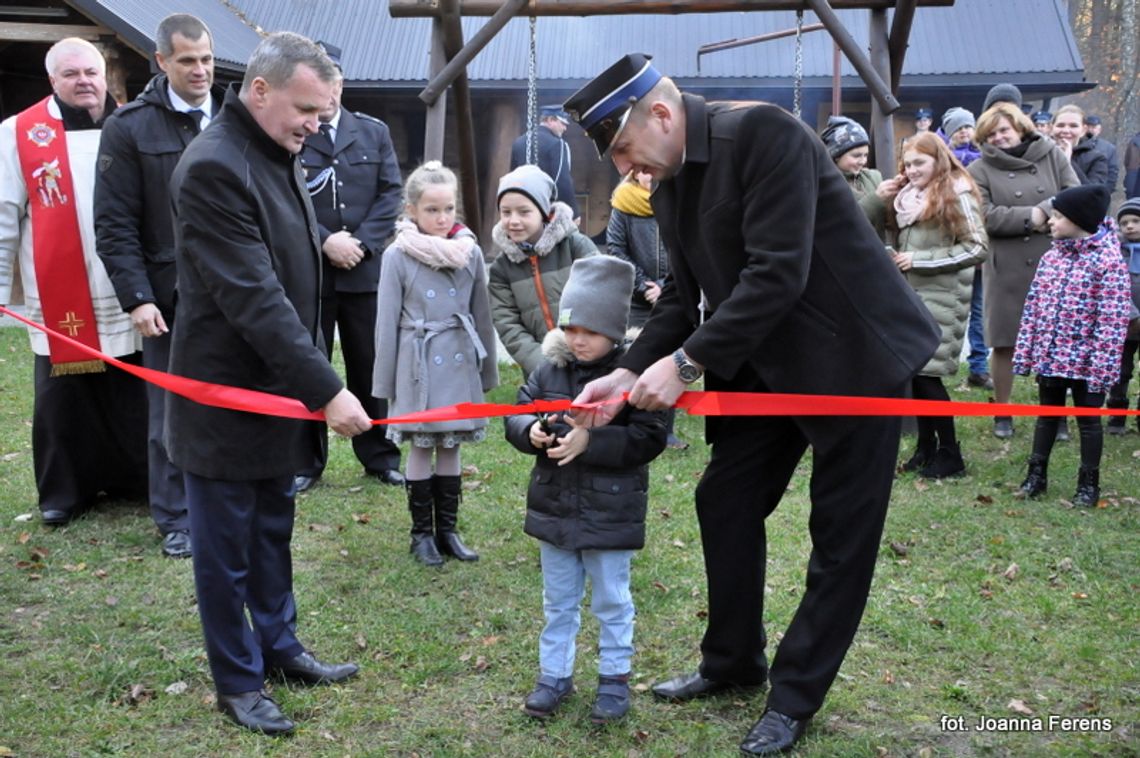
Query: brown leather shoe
{"points": [[255, 711]]}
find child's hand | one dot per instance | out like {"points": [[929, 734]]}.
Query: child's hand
{"points": [[572, 445], [904, 261], [539, 437]]}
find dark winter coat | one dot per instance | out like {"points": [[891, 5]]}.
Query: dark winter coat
{"points": [[597, 501], [636, 239], [553, 155], [801, 293], [141, 144], [249, 275], [362, 195], [1090, 163]]}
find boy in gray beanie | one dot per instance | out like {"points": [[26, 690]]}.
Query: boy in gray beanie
{"points": [[588, 491]]}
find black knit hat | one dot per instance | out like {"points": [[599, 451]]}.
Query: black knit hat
{"points": [[842, 135], [1002, 93], [1085, 205]]}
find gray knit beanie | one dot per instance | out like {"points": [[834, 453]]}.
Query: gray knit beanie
{"points": [[954, 119], [597, 296], [1130, 207], [843, 134], [1002, 93], [531, 181]]}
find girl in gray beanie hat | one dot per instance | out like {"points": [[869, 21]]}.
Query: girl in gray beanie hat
{"points": [[535, 241], [849, 147]]}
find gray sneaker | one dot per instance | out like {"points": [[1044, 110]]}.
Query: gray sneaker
{"points": [[1003, 427]]}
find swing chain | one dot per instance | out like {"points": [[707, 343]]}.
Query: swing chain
{"points": [[532, 98], [798, 89]]}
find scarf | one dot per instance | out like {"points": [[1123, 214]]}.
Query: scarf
{"points": [[61, 269], [632, 198], [434, 252], [910, 202]]}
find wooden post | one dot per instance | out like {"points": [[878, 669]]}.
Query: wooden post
{"points": [[458, 64], [876, 84], [899, 39], [465, 120], [116, 70], [437, 111], [505, 115], [882, 127]]}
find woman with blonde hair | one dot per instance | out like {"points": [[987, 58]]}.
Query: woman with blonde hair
{"points": [[1018, 174], [937, 216], [1090, 164]]}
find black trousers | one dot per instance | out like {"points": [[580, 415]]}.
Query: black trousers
{"points": [[240, 534], [1052, 390], [1118, 395], [88, 436], [355, 315], [753, 459], [165, 489]]}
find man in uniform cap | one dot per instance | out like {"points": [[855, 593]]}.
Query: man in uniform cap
{"points": [[762, 229], [354, 180], [552, 153], [1043, 120], [923, 118]]}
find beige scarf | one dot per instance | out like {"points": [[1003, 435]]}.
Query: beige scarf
{"points": [[432, 251]]}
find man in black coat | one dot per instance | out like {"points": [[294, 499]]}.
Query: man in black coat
{"points": [[552, 154], [249, 277], [801, 298], [140, 146], [355, 184]]}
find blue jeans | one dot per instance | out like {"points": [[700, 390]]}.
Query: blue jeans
{"points": [[564, 575], [978, 359]]}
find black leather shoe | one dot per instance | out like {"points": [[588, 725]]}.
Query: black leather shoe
{"points": [[305, 483], [773, 733], [55, 518], [255, 711], [176, 544], [308, 670], [687, 687], [389, 476], [548, 694]]}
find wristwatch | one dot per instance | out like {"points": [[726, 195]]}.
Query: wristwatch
{"points": [[687, 371]]}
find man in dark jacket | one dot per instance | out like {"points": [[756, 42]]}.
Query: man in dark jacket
{"points": [[552, 154], [140, 146], [355, 184], [248, 260], [760, 223], [1093, 127]]}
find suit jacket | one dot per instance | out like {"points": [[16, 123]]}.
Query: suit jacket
{"points": [[362, 194], [248, 303], [140, 147], [798, 284], [553, 155]]}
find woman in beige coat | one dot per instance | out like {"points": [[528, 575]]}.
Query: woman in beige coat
{"points": [[936, 211], [1017, 175]]}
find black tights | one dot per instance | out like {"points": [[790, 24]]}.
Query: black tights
{"points": [[1051, 391], [933, 431]]}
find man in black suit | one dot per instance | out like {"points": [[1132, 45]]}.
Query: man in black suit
{"points": [[354, 181], [800, 298], [248, 262], [551, 153], [140, 145]]}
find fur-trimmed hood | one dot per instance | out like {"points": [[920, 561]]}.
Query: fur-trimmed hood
{"points": [[557, 229], [557, 351]]}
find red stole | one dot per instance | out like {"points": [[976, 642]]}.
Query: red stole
{"points": [[57, 245]]}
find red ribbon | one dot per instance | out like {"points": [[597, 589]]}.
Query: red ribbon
{"points": [[695, 403]]}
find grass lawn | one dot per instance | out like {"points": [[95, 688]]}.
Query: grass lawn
{"points": [[983, 607]]}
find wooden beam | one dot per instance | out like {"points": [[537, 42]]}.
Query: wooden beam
{"points": [[899, 39], [465, 120], [18, 32], [458, 64], [425, 8], [882, 125], [875, 83], [436, 126]]}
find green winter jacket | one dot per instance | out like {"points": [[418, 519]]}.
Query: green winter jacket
{"points": [[863, 185], [942, 274], [516, 307]]}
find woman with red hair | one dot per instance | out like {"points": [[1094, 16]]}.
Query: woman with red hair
{"points": [[940, 237]]}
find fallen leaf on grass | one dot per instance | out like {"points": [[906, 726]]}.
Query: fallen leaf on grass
{"points": [[1080, 596], [470, 470], [984, 499], [39, 553], [665, 514], [328, 736], [1019, 706], [177, 688], [361, 518], [986, 594], [481, 664], [361, 643], [100, 573], [640, 735], [111, 601], [660, 586], [23, 517], [678, 543], [936, 623], [888, 677], [470, 486], [137, 694], [320, 528], [1011, 572], [6, 752], [492, 640], [74, 567], [9, 457], [643, 687], [899, 548], [24, 537], [669, 478]]}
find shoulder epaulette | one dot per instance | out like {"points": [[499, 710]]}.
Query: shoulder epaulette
{"points": [[358, 114]]}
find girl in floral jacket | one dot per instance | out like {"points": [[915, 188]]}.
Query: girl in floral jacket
{"points": [[1073, 328]]}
